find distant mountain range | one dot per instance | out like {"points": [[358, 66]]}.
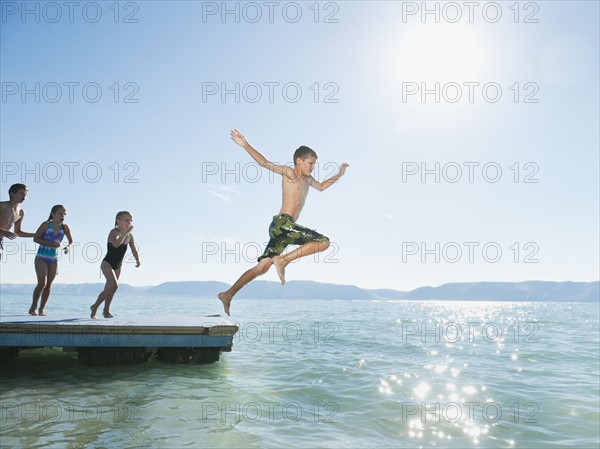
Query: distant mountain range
{"points": [[462, 291]]}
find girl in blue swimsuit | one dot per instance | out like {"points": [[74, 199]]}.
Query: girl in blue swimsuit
{"points": [[119, 239], [48, 236]]}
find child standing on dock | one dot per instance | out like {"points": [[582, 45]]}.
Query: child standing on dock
{"points": [[12, 214], [119, 238], [49, 236], [284, 230]]}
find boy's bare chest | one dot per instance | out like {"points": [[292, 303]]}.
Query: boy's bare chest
{"points": [[8, 215], [297, 188]]}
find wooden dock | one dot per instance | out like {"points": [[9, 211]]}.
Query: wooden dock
{"points": [[120, 340]]}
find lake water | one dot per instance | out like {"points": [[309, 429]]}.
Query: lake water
{"points": [[311, 373]]}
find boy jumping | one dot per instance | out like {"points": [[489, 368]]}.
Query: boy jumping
{"points": [[284, 230]]}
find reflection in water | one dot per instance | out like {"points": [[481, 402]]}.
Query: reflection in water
{"points": [[395, 374]]}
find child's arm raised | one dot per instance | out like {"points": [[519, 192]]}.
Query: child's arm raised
{"points": [[283, 170], [115, 237], [331, 181]]}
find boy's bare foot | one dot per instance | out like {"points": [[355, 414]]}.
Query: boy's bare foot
{"points": [[106, 314], [32, 312], [93, 310], [280, 266], [42, 313], [226, 300]]}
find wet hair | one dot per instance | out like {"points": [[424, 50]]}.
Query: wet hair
{"points": [[54, 209], [120, 214], [15, 188], [303, 152]]}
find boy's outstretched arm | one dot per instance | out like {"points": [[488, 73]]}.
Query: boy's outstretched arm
{"points": [[239, 138], [331, 181], [7, 233], [18, 230]]}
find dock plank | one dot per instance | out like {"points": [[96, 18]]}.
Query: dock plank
{"points": [[123, 331]]}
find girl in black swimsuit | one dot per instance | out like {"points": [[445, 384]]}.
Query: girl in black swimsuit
{"points": [[119, 238]]}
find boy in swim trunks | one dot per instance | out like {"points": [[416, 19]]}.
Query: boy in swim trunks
{"points": [[284, 230], [12, 214]]}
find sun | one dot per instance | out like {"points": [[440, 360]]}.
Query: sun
{"points": [[440, 52]]}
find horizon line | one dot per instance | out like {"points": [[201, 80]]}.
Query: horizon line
{"points": [[318, 282]]}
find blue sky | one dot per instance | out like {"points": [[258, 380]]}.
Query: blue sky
{"points": [[342, 82]]}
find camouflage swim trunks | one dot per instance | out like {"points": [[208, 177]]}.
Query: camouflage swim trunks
{"points": [[283, 232]]}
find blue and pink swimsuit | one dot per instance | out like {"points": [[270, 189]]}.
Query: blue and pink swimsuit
{"points": [[49, 253]]}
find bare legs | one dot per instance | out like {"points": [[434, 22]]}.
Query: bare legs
{"points": [[106, 296], [263, 266], [260, 269], [307, 249], [45, 272]]}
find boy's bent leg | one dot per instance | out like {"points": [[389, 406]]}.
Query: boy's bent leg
{"points": [[307, 249], [260, 269], [310, 242]]}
